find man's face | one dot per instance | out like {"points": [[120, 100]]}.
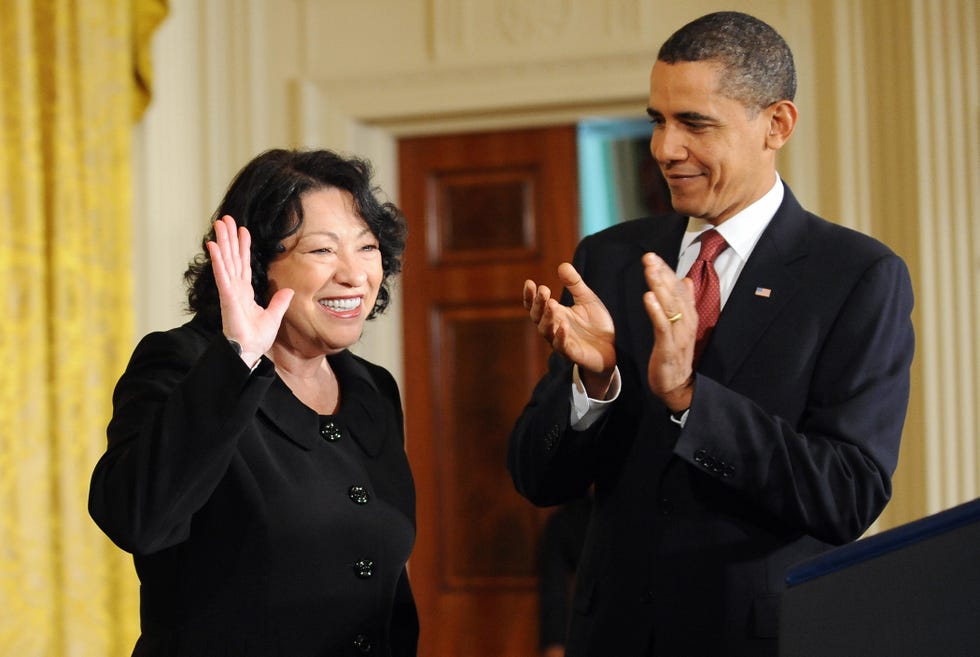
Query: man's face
{"points": [[712, 150]]}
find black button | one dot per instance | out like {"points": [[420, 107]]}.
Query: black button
{"points": [[362, 643], [358, 494], [666, 506], [714, 465], [330, 431], [648, 596], [551, 438], [364, 568]]}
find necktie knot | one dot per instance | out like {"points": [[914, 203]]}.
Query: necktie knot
{"points": [[712, 244]]}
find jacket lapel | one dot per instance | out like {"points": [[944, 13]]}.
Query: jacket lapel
{"points": [[296, 421], [768, 281], [364, 411], [367, 414]]}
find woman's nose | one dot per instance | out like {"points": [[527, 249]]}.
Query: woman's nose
{"points": [[350, 270]]}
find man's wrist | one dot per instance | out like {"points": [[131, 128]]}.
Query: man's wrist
{"points": [[678, 401], [596, 384]]}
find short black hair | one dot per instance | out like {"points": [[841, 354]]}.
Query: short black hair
{"points": [[757, 62], [266, 198]]}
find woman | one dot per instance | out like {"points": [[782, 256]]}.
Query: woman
{"points": [[255, 467]]}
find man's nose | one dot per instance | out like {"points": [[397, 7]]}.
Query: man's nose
{"points": [[667, 144]]}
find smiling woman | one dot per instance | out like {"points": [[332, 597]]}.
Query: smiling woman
{"points": [[224, 430], [333, 266]]}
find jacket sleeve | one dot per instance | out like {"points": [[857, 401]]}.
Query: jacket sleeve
{"points": [[549, 461], [829, 473], [178, 411]]}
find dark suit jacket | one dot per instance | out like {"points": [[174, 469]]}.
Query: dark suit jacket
{"points": [[257, 526], [789, 448], [559, 549]]}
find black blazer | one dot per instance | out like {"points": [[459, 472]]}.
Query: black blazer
{"points": [[789, 448], [257, 526]]}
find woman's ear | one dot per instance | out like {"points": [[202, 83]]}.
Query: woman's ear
{"points": [[782, 121]]}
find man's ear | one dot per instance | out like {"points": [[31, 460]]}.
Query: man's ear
{"points": [[782, 121]]}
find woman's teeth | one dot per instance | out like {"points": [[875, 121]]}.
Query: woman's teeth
{"points": [[341, 304]]}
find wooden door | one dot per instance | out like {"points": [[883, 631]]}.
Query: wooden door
{"points": [[485, 211]]}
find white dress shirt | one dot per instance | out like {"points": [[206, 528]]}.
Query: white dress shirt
{"points": [[741, 231]]}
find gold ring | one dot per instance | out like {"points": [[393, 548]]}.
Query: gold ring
{"points": [[674, 318]]}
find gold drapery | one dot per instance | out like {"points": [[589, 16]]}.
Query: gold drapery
{"points": [[73, 75]]}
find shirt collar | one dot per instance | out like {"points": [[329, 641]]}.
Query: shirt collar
{"points": [[742, 230]]}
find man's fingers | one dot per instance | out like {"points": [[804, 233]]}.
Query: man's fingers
{"points": [[540, 303], [657, 314], [688, 286], [528, 297], [570, 278], [673, 295], [558, 339]]}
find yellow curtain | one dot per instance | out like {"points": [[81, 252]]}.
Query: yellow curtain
{"points": [[73, 76]]}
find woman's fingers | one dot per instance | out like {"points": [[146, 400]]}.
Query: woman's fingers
{"points": [[231, 251]]}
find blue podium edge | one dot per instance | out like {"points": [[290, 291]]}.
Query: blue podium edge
{"points": [[883, 543]]}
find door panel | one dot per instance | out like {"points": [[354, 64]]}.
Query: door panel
{"points": [[486, 211]]}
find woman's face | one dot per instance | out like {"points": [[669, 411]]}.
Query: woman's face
{"points": [[333, 263]]}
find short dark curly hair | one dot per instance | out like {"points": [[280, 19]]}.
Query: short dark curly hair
{"points": [[266, 198], [757, 62]]}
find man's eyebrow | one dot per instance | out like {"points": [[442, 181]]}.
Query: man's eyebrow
{"points": [[696, 116], [684, 116]]}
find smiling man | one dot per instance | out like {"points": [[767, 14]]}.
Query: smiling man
{"points": [[732, 378]]}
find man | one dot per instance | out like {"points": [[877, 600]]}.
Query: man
{"points": [[719, 462]]}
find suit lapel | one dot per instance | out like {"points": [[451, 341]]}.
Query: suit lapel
{"points": [[768, 281]]}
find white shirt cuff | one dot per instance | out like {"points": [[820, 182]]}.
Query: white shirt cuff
{"points": [[585, 410]]}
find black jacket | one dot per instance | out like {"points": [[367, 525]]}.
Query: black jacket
{"points": [[257, 526]]}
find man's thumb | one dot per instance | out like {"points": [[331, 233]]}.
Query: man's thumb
{"points": [[573, 282]]}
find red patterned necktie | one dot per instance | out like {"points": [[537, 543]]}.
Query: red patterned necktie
{"points": [[707, 291]]}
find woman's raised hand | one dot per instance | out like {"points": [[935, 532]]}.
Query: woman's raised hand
{"points": [[242, 319]]}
